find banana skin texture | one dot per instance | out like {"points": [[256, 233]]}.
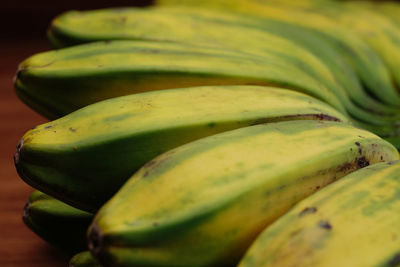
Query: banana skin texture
{"points": [[352, 222], [61, 225], [84, 157], [202, 204]]}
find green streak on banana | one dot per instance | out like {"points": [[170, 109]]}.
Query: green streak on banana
{"points": [[84, 157], [202, 204], [353, 222], [84, 259], [65, 80], [361, 56], [57, 223], [226, 30]]}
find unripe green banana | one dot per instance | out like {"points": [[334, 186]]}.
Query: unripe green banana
{"points": [[202, 204], [57, 223], [361, 56], [84, 259], [248, 34], [353, 222], [84, 157], [56, 83]]}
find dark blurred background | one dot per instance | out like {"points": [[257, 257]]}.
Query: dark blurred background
{"points": [[30, 18]]}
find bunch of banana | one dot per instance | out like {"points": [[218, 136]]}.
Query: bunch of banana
{"points": [[270, 39], [353, 222], [100, 146], [366, 62], [59, 224], [189, 130], [202, 204], [217, 28]]}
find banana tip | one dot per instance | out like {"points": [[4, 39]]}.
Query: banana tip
{"points": [[17, 153], [95, 240], [25, 213]]}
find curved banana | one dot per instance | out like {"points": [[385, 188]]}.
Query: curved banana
{"points": [[202, 204], [84, 157], [56, 83], [57, 223], [353, 222]]}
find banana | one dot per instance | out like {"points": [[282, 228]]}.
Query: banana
{"points": [[203, 203], [83, 259], [353, 222], [56, 83], [57, 223], [225, 30], [367, 63], [84, 157]]}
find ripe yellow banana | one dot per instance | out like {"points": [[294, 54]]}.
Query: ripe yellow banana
{"points": [[84, 157], [202, 204], [353, 222]]}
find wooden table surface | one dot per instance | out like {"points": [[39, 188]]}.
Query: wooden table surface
{"points": [[19, 246]]}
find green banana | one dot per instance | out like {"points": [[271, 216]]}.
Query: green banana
{"points": [[353, 222], [83, 259], [203, 203], [57, 223], [84, 157], [226, 30], [56, 83], [366, 62]]}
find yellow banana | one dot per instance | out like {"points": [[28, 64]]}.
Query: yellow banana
{"points": [[56, 83], [353, 222], [202, 204], [84, 157]]}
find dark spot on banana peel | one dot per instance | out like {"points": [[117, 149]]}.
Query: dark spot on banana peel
{"points": [[381, 157], [95, 240], [212, 124], [72, 129], [48, 126], [390, 163], [360, 151], [75, 148], [325, 225], [345, 167], [357, 144], [308, 210], [362, 162], [395, 261]]}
